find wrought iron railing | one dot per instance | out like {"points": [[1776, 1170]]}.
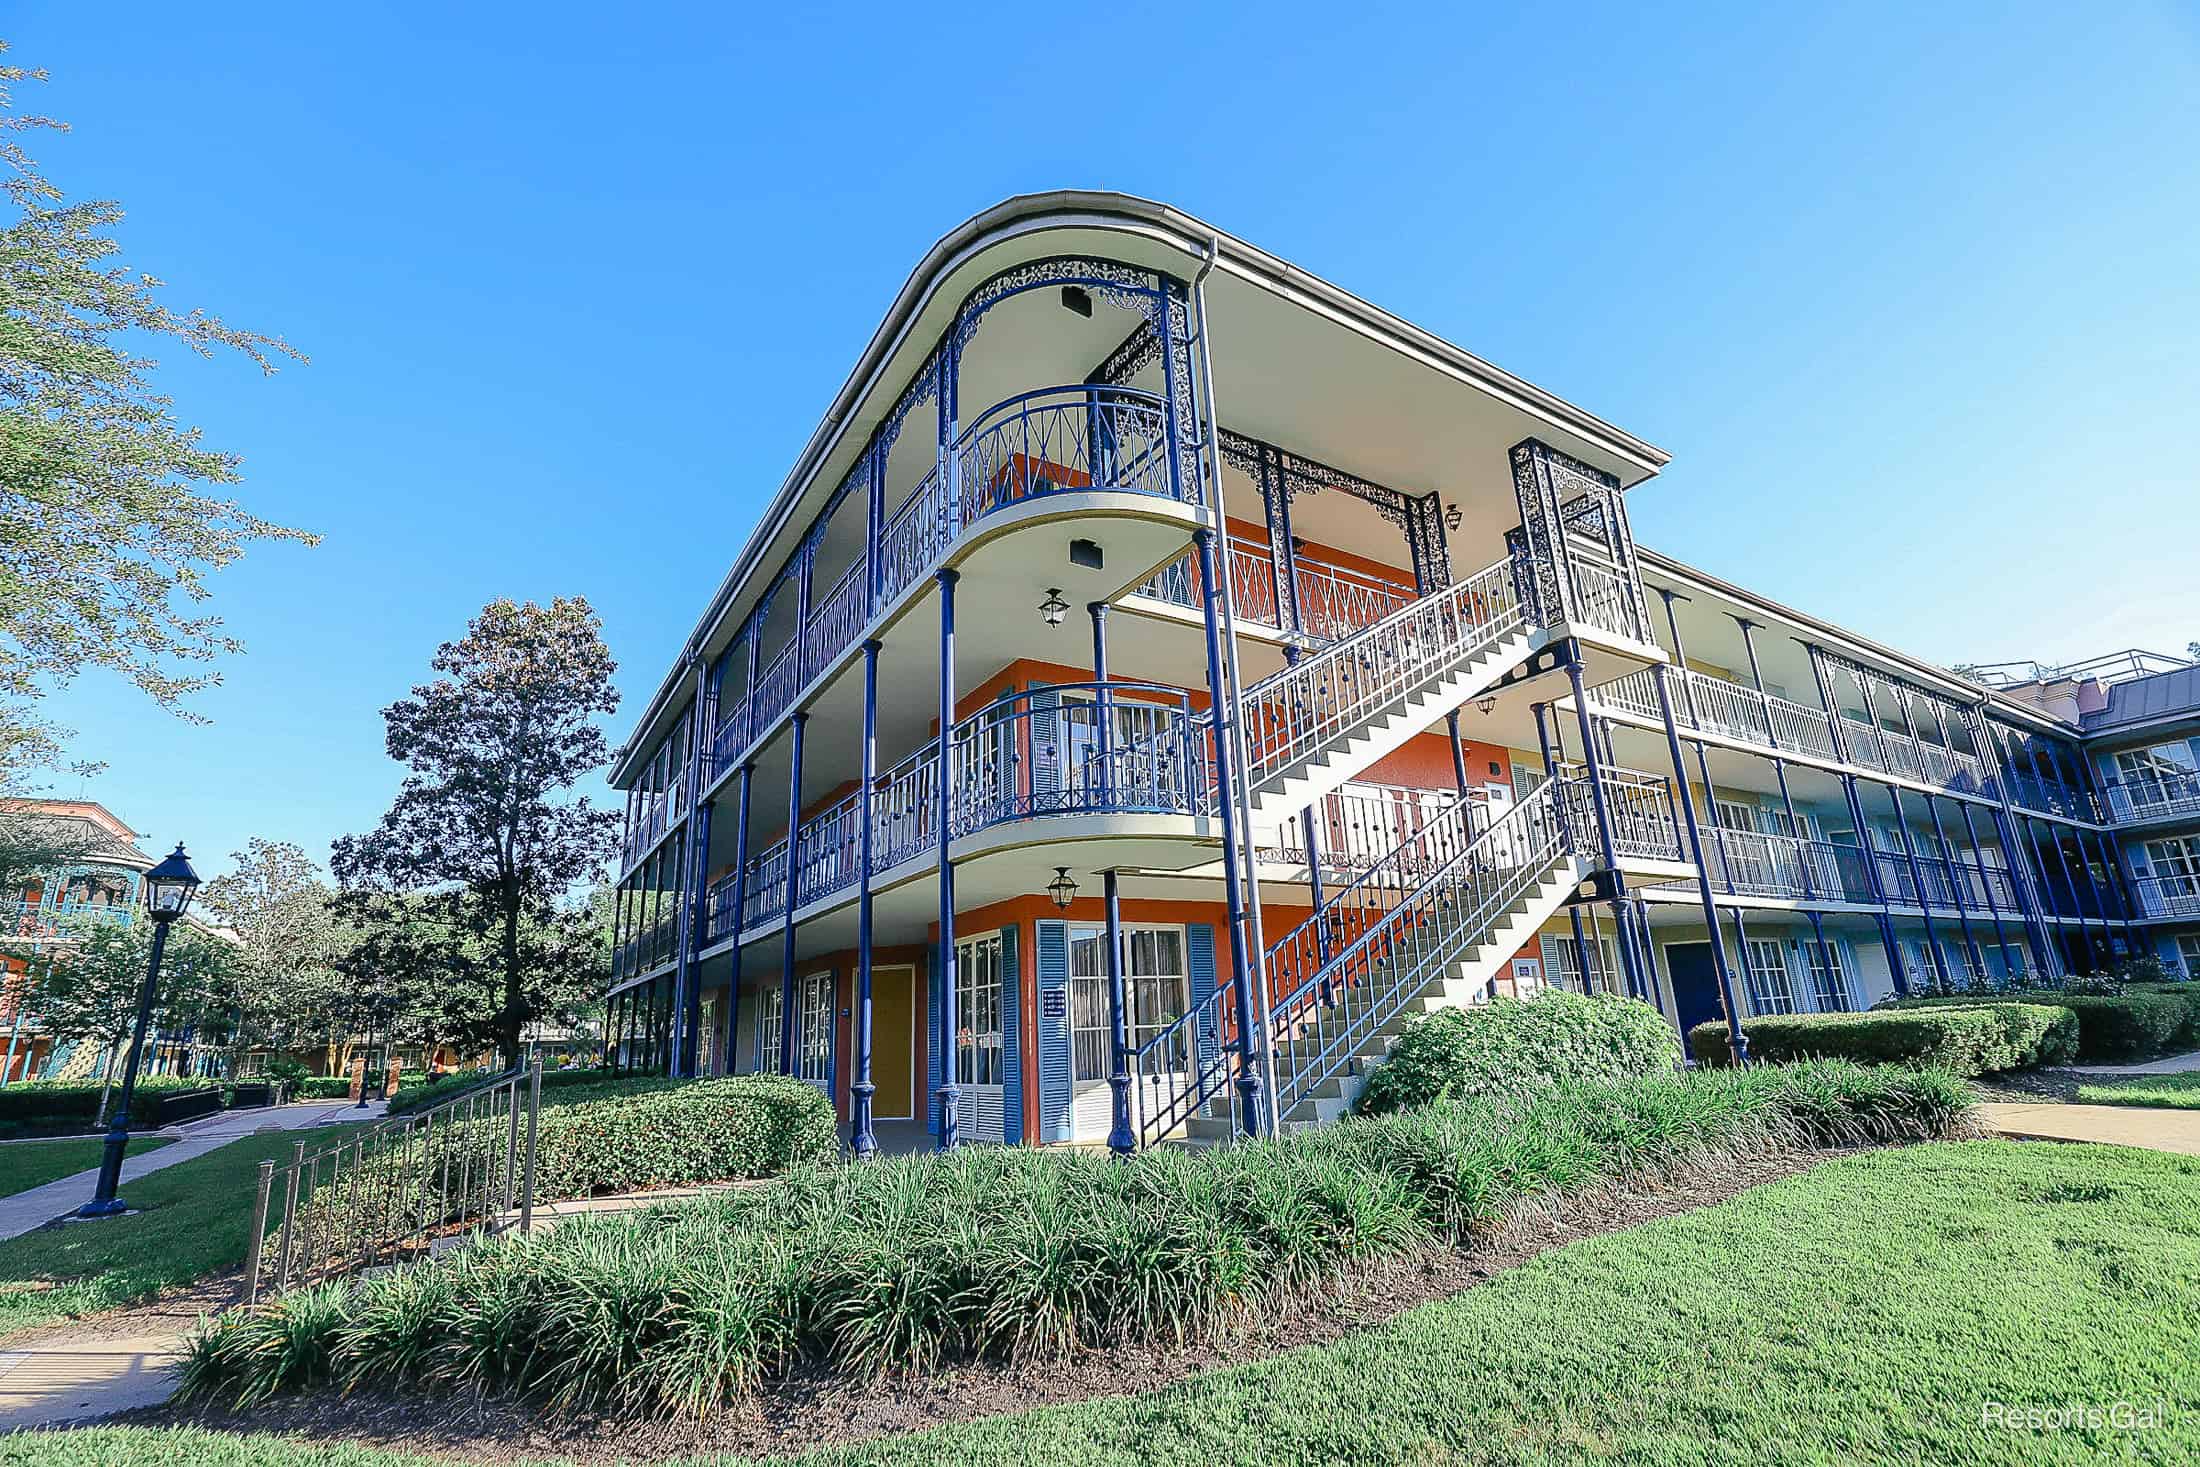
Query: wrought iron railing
{"points": [[389, 1190], [838, 618], [1357, 826], [2152, 797], [1294, 713], [1329, 1017], [1334, 601], [2167, 896]]}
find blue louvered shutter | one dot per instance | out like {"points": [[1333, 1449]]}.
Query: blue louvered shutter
{"points": [[1012, 1057], [1054, 1067], [1199, 959], [935, 1046], [1050, 744]]}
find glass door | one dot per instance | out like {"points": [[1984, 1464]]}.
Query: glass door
{"points": [[978, 1061], [1156, 993]]}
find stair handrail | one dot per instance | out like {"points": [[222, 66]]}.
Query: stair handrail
{"points": [[1202, 1023], [1529, 836], [1341, 685]]}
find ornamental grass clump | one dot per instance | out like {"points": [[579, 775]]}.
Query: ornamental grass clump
{"points": [[910, 1264]]}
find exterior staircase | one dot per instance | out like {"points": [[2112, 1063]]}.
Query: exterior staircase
{"points": [[1312, 726]]}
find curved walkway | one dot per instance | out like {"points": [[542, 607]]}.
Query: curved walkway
{"points": [[2116, 1125], [41, 1205]]}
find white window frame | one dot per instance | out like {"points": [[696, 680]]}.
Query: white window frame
{"points": [[770, 1014], [979, 1004], [1761, 972], [813, 1056], [1829, 988]]}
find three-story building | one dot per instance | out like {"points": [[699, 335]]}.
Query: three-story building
{"points": [[1163, 674]]}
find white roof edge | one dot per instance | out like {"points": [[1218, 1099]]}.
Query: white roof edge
{"points": [[1089, 208]]}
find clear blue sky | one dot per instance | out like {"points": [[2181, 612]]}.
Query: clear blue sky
{"points": [[1911, 297]]}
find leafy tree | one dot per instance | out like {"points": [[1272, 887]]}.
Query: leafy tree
{"points": [[107, 531], [285, 989], [464, 887], [90, 988]]}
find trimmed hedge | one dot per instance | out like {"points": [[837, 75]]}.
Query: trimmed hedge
{"points": [[2111, 1030], [60, 1103], [1969, 1041], [1011, 1254], [415, 1094], [321, 1087], [1519, 1046]]}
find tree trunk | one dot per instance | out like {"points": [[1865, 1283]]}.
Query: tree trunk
{"points": [[513, 1019]]}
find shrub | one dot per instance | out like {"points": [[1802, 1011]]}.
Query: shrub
{"points": [[62, 1104], [1011, 1254], [625, 1136], [2111, 1030], [1518, 1046], [284, 1070], [320, 1087], [415, 1094], [1967, 1040], [2185, 994]]}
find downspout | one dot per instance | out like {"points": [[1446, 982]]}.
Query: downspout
{"points": [[1212, 433]]}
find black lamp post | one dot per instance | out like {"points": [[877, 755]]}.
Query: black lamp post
{"points": [[168, 889]]}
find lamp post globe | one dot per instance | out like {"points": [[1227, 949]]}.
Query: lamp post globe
{"points": [[169, 887]]}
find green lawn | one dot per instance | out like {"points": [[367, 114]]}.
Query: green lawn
{"points": [[28, 1164], [195, 1218], [1868, 1311], [2165, 1092]]}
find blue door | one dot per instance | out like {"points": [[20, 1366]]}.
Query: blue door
{"points": [[1695, 984]]}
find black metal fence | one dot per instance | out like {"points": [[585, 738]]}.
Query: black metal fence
{"points": [[388, 1192], [184, 1105]]}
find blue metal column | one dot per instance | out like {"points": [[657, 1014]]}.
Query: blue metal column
{"points": [[1917, 878], [1825, 957], [1314, 891], [1956, 883], [1103, 706], [686, 994], [1735, 1038], [787, 1015], [950, 1092], [1882, 919], [1458, 753], [2022, 870], [1993, 907], [1122, 1139], [740, 907], [1615, 884], [861, 1140], [1565, 831], [1241, 995], [701, 819]]}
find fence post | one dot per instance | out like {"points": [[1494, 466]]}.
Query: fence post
{"points": [[290, 1212], [534, 1117], [259, 1232], [511, 1144]]}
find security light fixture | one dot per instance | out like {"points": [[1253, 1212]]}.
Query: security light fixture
{"points": [[1054, 608], [1077, 298], [1061, 888]]}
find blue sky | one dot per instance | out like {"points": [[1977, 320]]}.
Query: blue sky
{"points": [[1909, 296]]}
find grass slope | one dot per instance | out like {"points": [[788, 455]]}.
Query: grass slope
{"points": [[195, 1217], [2162, 1092], [1864, 1311], [28, 1164]]}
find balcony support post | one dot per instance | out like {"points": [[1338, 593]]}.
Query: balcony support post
{"points": [[2070, 887], [1956, 882], [1615, 884], [1122, 1138], [1458, 752], [2024, 875], [1917, 880], [687, 986], [874, 528], [1226, 810], [1103, 707], [1680, 660], [739, 903], [1757, 677], [2110, 872], [1565, 827], [1993, 906], [1311, 840], [1735, 1038], [950, 1092], [787, 1015], [1283, 554], [861, 1139]]}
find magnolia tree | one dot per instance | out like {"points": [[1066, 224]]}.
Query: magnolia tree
{"points": [[89, 988], [468, 895]]}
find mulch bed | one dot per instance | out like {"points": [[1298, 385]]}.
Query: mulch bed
{"points": [[822, 1409]]}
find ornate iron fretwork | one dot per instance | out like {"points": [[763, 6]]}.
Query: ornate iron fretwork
{"points": [[1132, 355], [1119, 285]]}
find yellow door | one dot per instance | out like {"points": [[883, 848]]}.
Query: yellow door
{"points": [[894, 1042]]}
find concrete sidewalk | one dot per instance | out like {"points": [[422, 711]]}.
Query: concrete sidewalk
{"points": [[83, 1379], [35, 1208], [2117, 1125], [2176, 1064]]}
